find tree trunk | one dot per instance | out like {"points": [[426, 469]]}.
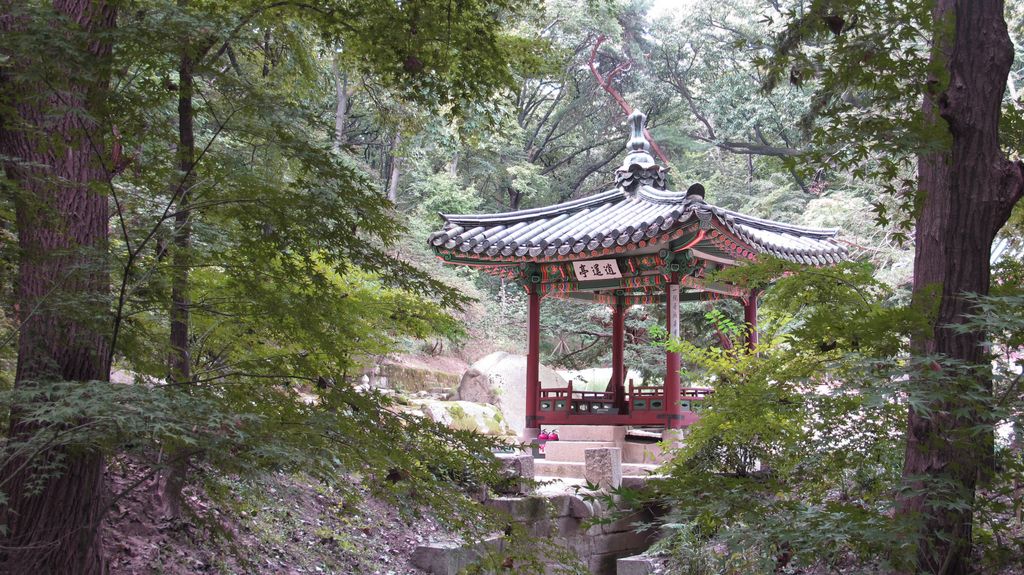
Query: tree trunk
{"points": [[1017, 447], [968, 190], [453, 166], [173, 479], [514, 198], [396, 169], [51, 142], [341, 107]]}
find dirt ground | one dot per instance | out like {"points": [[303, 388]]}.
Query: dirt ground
{"points": [[279, 525]]}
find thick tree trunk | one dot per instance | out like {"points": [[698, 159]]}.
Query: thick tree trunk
{"points": [[63, 289], [180, 370], [173, 479], [968, 191]]}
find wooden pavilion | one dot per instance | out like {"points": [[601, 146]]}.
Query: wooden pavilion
{"points": [[635, 244]]}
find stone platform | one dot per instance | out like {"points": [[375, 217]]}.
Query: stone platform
{"points": [[545, 468], [566, 456]]}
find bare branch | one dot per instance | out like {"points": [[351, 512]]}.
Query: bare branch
{"points": [[605, 82]]}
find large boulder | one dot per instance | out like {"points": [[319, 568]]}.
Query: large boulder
{"points": [[500, 379]]}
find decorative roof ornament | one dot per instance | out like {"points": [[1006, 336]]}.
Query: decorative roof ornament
{"points": [[639, 167]]}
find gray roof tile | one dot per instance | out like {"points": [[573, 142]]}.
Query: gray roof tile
{"points": [[616, 219]]}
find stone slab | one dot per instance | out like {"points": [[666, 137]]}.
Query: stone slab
{"points": [[575, 527], [626, 523], [569, 505], [452, 557], [635, 482], [522, 509], [602, 564], [615, 433], [541, 529], [518, 470], [624, 542], [565, 520], [606, 550], [638, 565]]}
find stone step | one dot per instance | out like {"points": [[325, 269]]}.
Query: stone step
{"points": [[635, 452], [574, 469], [632, 452], [615, 433], [572, 450]]}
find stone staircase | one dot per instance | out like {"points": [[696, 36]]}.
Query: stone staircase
{"points": [[562, 513], [566, 457]]}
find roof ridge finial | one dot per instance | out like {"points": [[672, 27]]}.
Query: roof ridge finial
{"points": [[637, 140], [639, 167]]}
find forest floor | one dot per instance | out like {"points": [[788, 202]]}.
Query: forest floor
{"points": [[278, 524], [287, 525]]}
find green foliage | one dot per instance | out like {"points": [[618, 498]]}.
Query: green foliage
{"points": [[867, 67], [294, 284], [303, 274], [796, 459], [440, 193], [246, 426]]}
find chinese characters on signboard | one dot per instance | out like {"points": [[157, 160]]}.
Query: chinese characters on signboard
{"points": [[596, 270]]}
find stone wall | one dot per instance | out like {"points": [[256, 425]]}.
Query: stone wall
{"points": [[568, 521], [557, 524], [413, 379]]}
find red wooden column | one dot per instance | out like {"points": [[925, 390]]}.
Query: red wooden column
{"points": [[750, 317], [618, 340], [619, 352], [673, 411], [532, 361]]}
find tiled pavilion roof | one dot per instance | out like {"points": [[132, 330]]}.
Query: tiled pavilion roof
{"points": [[616, 222], [652, 234]]}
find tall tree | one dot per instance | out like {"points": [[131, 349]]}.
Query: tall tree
{"points": [[51, 144], [968, 190], [894, 81], [55, 92]]}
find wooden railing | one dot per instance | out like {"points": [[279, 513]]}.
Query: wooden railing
{"points": [[635, 405]]}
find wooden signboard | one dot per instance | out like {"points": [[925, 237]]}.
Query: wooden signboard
{"points": [[596, 270]]}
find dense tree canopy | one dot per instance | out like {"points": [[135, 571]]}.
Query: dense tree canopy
{"points": [[225, 204]]}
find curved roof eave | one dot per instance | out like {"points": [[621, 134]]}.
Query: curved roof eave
{"points": [[614, 221]]}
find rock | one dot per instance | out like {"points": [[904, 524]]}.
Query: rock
{"points": [[603, 467], [452, 557], [638, 565], [466, 415], [517, 470], [500, 379]]}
